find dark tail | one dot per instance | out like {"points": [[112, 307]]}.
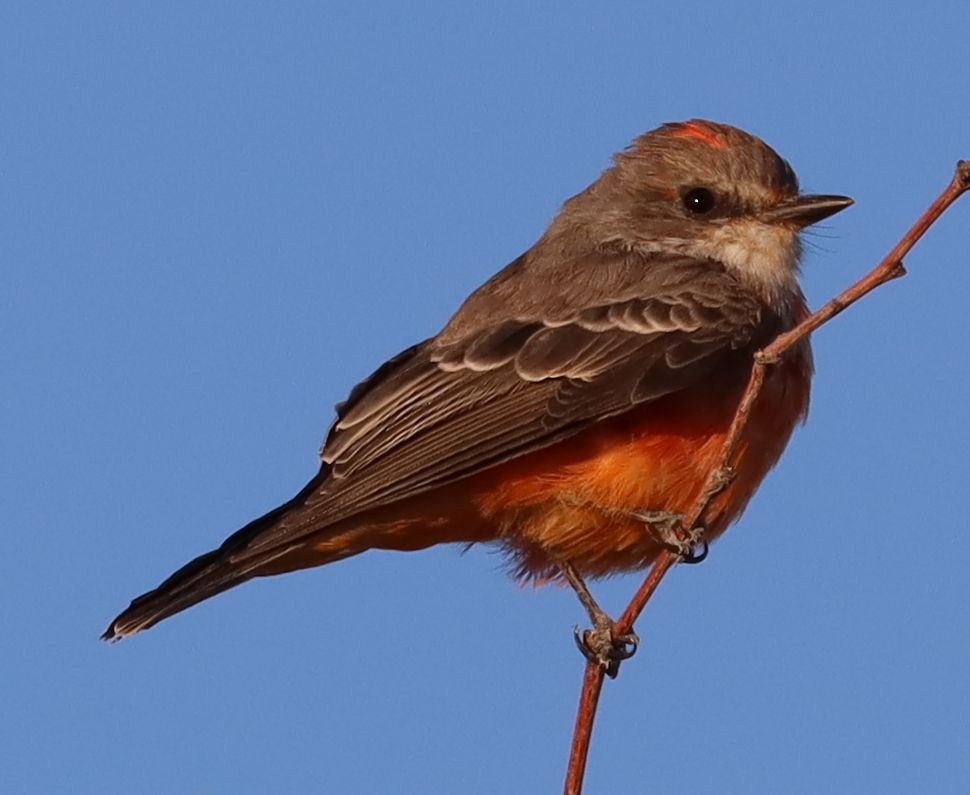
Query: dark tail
{"points": [[207, 575]]}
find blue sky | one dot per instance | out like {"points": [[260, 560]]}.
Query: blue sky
{"points": [[218, 217]]}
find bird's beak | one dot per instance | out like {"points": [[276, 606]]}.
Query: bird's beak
{"points": [[802, 211]]}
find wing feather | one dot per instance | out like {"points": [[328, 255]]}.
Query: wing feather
{"points": [[438, 413]]}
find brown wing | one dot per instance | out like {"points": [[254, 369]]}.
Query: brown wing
{"points": [[438, 413]]}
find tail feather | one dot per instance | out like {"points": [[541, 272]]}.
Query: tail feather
{"points": [[206, 575]]}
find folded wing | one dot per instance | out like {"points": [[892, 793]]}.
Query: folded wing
{"points": [[438, 413]]}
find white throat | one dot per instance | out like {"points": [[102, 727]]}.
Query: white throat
{"points": [[763, 256]]}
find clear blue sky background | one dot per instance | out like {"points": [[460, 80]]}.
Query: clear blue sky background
{"points": [[217, 217]]}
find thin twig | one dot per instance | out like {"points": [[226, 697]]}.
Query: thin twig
{"points": [[891, 267], [589, 697]]}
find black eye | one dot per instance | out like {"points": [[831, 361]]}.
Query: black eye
{"points": [[699, 201]]}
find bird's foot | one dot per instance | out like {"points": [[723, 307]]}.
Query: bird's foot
{"points": [[601, 644], [689, 546]]}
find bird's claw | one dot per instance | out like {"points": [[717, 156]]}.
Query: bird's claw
{"points": [[599, 645], [695, 553], [690, 548]]}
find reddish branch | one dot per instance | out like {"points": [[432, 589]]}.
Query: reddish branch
{"points": [[891, 267]]}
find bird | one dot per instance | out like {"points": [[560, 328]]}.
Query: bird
{"points": [[572, 408]]}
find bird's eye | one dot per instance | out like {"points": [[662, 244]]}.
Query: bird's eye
{"points": [[699, 201]]}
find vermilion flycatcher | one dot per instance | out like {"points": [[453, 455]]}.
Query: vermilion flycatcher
{"points": [[579, 393]]}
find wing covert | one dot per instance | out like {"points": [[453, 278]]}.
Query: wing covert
{"points": [[438, 413], [520, 384]]}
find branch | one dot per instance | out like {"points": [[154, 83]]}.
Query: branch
{"points": [[891, 267]]}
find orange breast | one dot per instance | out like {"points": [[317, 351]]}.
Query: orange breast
{"points": [[575, 501]]}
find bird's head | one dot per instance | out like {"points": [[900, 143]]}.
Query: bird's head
{"points": [[705, 190]]}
